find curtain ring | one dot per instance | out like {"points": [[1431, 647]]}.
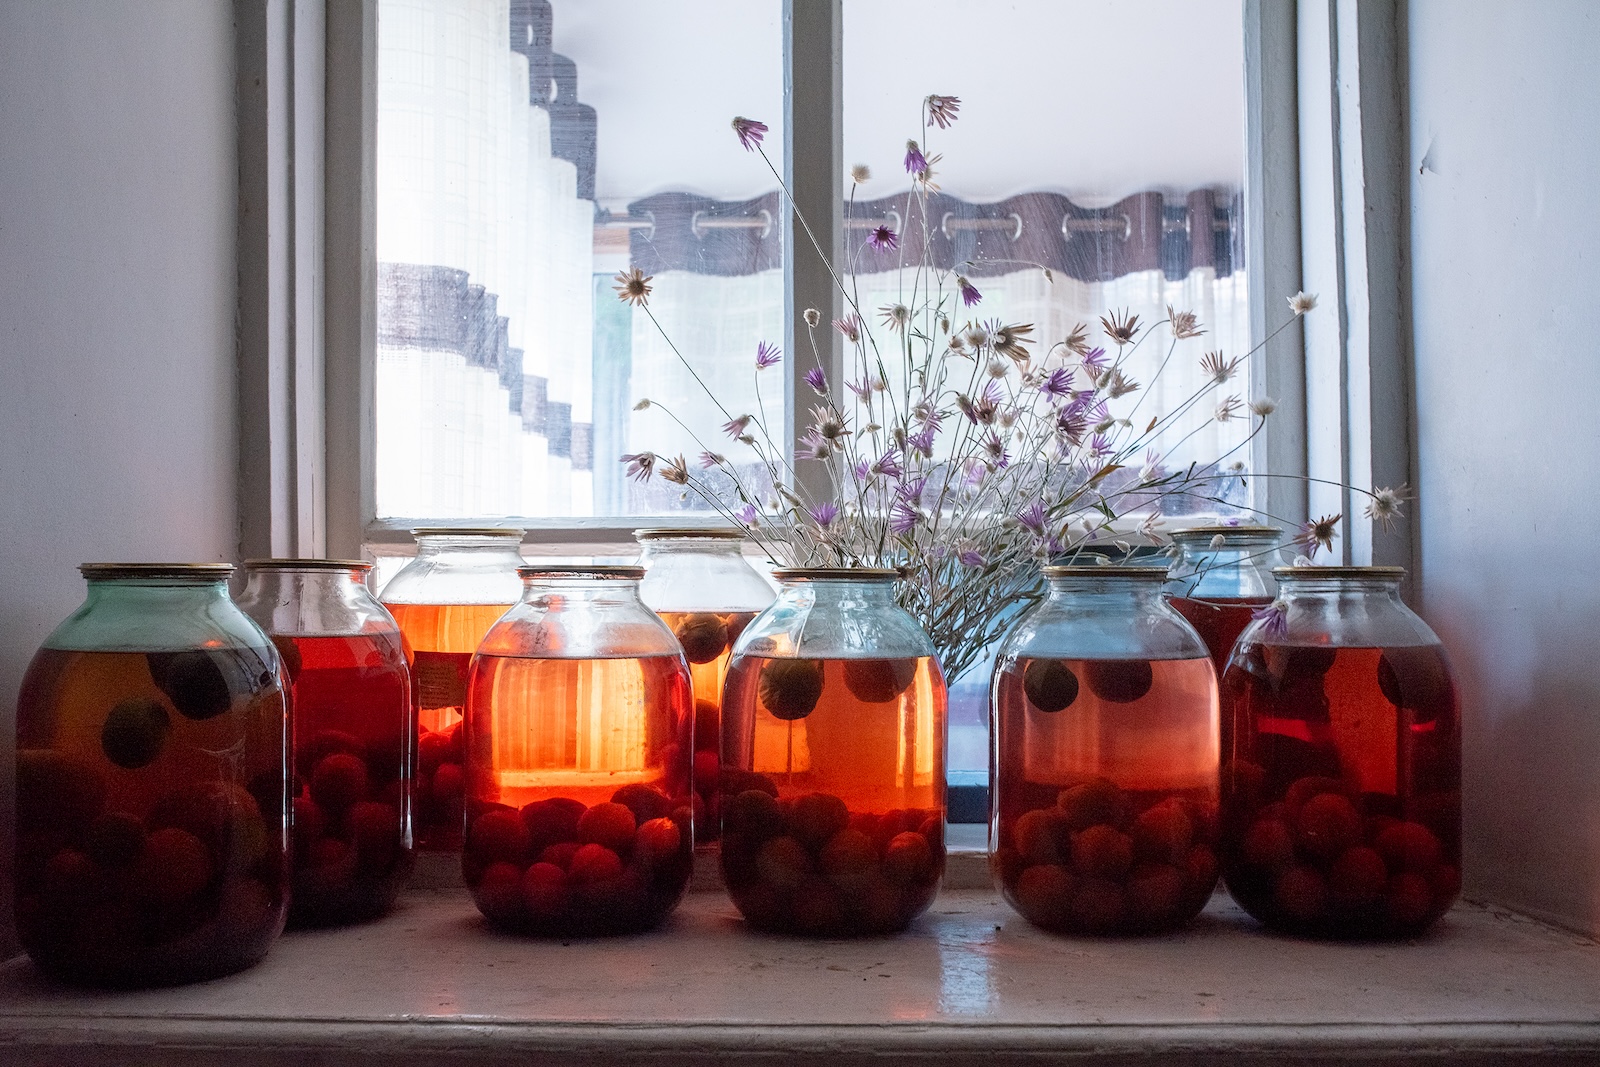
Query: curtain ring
{"points": [[1017, 233]]}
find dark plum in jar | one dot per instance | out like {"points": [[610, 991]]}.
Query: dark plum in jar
{"points": [[1342, 792], [152, 784]]}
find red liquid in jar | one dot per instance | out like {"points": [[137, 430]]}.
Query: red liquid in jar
{"points": [[707, 639], [578, 779], [1342, 810], [833, 792], [1219, 622], [442, 639], [353, 730], [1107, 779], [152, 814]]}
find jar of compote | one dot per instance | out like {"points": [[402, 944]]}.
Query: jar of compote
{"points": [[152, 783], [833, 750], [444, 601], [1221, 577], [1103, 799], [354, 734], [1342, 791], [698, 581], [579, 734]]}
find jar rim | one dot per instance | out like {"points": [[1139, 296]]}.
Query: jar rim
{"points": [[1338, 572], [834, 574], [706, 533], [185, 571], [1148, 573], [280, 563], [468, 531], [1212, 531], [600, 572]]}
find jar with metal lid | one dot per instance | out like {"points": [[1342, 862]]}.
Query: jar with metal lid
{"points": [[1342, 792], [444, 601], [699, 582], [152, 783], [354, 731], [578, 737], [1103, 785], [833, 749]]}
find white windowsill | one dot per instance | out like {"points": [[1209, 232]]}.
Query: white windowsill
{"points": [[432, 983]]}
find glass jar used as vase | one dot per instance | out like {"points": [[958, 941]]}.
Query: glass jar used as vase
{"points": [[354, 732], [444, 601], [579, 735], [1103, 782], [152, 783], [1342, 792], [699, 582], [833, 753]]}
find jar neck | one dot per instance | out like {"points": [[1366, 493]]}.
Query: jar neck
{"points": [[660, 547], [434, 545], [1222, 548], [305, 584], [581, 590], [865, 591], [1120, 588], [155, 594], [1373, 586]]}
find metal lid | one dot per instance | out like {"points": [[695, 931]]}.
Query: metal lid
{"points": [[1150, 573], [1212, 531], [600, 572], [1338, 572], [279, 564], [467, 531], [210, 572], [708, 533], [834, 574]]}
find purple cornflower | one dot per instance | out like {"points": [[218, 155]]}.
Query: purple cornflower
{"points": [[942, 110], [813, 446], [1059, 384], [1094, 361], [915, 160], [888, 465], [767, 355], [862, 389], [709, 459], [750, 132], [883, 239], [911, 491], [1274, 619], [921, 443], [1032, 517], [903, 517], [736, 427], [824, 514], [862, 470], [817, 380], [1317, 534], [850, 326], [996, 450], [746, 515], [970, 557], [640, 465], [1071, 426], [1099, 446], [969, 292]]}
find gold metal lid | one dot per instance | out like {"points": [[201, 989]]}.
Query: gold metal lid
{"points": [[602, 572], [194, 572], [1338, 572], [1110, 570], [468, 531], [834, 574], [709, 533], [1212, 531], [283, 564]]}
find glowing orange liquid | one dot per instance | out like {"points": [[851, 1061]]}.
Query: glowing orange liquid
{"points": [[442, 639], [578, 787], [708, 639], [354, 751], [853, 754], [1106, 790], [1342, 803], [152, 814]]}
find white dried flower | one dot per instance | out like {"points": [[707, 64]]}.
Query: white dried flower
{"points": [[998, 368], [1217, 368], [1302, 302], [861, 174], [812, 316], [1229, 409], [1384, 507], [1217, 541], [1263, 406], [642, 404]]}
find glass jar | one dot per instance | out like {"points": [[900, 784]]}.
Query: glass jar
{"points": [[152, 783], [1342, 793], [445, 600], [354, 734], [699, 583], [579, 731], [833, 753], [1104, 798]]}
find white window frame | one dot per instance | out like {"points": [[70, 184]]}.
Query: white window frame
{"points": [[1325, 211]]}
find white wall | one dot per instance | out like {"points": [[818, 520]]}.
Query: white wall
{"points": [[1505, 146], [117, 281]]}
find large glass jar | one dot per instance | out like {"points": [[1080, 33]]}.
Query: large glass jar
{"points": [[152, 783], [833, 755], [698, 581], [354, 734], [1342, 793], [1103, 798], [445, 600], [579, 728]]}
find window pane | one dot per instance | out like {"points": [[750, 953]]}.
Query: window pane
{"points": [[528, 151], [1103, 141]]}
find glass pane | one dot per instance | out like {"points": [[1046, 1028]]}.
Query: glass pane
{"points": [[528, 151], [1102, 141]]}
